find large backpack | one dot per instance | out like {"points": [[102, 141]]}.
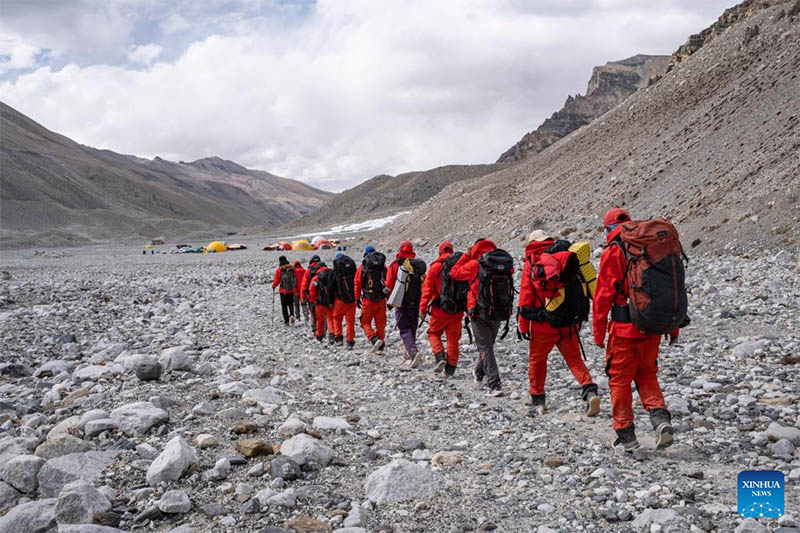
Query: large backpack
{"points": [[655, 274], [453, 295], [325, 283], [373, 277], [344, 275], [495, 286], [407, 290], [557, 271], [288, 279], [312, 271]]}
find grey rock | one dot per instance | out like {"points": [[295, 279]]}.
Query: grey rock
{"points": [[751, 525], [173, 461], [20, 472], [776, 432], [93, 414], [402, 480], [783, 448], [32, 517], [285, 468], [252, 506], [148, 369], [87, 528], [330, 423], [80, 503], [220, 471], [58, 472], [96, 427], [304, 448], [654, 516], [291, 427], [62, 444], [214, 509], [135, 419], [9, 496], [175, 501], [175, 359]]}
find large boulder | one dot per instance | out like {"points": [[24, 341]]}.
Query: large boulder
{"points": [[775, 432], [402, 480], [330, 423], [175, 501], [10, 447], [80, 503], [304, 448], [32, 517], [136, 419], [96, 372], [148, 369], [264, 397], [62, 444], [20, 472], [87, 528], [175, 359], [171, 463], [9, 496], [58, 472]]}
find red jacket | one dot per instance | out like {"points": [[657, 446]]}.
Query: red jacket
{"points": [[277, 281], [391, 272], [357, 287], [432, 287], [611, 276], [312, 287], [530, 295], [304, 286], [299, 274], [467, 267]]}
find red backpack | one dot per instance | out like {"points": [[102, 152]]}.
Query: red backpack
{"points": [[655, 275]]}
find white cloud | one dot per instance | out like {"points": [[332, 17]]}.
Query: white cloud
{"points": [[353, 88], [144, 54], [16, 54]]}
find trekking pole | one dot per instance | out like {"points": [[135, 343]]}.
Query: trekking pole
{"points": [[273, 304], [466, 326]]}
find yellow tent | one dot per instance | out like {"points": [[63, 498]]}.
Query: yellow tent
{"points": [[148, 246], [216, 246], [302, 244]]}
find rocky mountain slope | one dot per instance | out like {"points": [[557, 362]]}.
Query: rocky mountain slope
{"points": [[713, 145], [609, 85], [54, 190], [388, 194]]}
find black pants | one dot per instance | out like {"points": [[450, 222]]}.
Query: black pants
{"points": [[485, 336], [287, 306]]}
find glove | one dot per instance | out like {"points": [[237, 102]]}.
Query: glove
{"points": [[520, 335]]}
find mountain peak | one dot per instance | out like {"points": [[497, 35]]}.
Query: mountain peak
{"points": [[217, 164]]}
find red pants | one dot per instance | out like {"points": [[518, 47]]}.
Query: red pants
{"points": [[632, 360], [324, 317], [347, 312], [540, 347], [373, 311], [451, 327]]}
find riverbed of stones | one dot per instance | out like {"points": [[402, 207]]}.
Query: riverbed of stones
{"points": [[163, 393]]}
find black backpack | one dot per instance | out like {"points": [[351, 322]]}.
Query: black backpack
{"points": [[495, 286], [453, 296], [344, 275], [413, 287], [373, 277], [312, 271], [325, 287], [288, 279]]}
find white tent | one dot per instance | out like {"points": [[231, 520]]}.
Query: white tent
{"points": [[316, 239]]}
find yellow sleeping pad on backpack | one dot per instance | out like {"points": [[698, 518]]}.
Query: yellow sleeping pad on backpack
{"points": [[551, 304], [584, 252]]}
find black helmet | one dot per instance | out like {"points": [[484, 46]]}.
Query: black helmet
{"points": [[314, 259]]}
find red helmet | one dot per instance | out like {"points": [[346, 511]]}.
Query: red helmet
{"points": [[445, 246], [406, 246], [615, 215]]}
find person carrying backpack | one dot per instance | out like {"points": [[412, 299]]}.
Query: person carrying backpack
{"points": [[311, 271], [299, 274], [407, 273], [344, 305], [639, 318], [320, 295], [286, 280], [370, 282], [536, 296], [445, 296], [490, 303]]}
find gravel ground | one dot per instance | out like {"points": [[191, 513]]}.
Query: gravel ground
{"points": [[732, 383]]}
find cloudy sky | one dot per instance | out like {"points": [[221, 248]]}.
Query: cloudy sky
{"points": [[331, 92]]}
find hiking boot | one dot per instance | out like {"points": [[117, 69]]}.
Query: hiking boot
{"points": [[449, 370], [661, 419], [378, 345], [495, 391], [477, 371], [373, 340], [319, 338], [416, 360], [591, 399], [538, 404], [381, 347], [291, 321], [339, 341], [331, 339], [626, 437], [406, 355], [350, 344], [439, 362]]}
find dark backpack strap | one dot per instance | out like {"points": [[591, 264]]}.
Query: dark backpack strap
{"points": [[505, 330], [469, 330]]}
